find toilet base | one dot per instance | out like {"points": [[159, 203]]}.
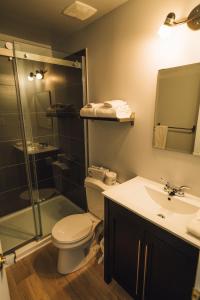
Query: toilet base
{"points": [[71, 260]]}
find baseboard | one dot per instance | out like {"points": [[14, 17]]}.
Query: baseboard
{"points": [[31, 247]]}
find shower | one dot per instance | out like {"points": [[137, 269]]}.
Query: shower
{"points": [[42, 143]]}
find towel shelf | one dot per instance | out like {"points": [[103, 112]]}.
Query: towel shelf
{"points": [[122, 120]]}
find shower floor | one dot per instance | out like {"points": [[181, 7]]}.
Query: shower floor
{"points": [[18, 228]]}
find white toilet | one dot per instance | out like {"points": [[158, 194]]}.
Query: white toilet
{"points": [[73, 235]]}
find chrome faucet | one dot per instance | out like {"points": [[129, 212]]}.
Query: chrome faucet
{"points": [[173, 190]]}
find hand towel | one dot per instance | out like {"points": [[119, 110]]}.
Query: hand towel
{"points": [[194, 227], [160, 136], [114, 103]]}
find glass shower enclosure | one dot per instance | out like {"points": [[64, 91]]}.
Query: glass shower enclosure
{"points": [[42, 142]]}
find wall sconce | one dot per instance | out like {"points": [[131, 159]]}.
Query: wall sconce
{"points": [[31, 76], [193, 22], [39, 74]]}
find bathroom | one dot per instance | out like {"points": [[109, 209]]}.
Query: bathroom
{"points": [[120, 53]]}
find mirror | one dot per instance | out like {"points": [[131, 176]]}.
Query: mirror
{"points": [[177, 113]]}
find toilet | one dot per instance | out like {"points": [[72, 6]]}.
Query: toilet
{"points": [[74, 234]]}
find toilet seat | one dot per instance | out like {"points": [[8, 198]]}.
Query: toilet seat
{"points": [[72, 229]]}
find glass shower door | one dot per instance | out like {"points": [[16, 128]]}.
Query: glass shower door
{"points": [[17, 225], [54, 134]]}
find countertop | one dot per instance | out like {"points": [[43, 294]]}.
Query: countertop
{"points": [[133, 196]]}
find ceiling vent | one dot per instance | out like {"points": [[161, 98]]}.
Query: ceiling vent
{"points": [[80, 10]]}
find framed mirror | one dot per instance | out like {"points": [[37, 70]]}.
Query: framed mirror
{"points": [[177, 111]]}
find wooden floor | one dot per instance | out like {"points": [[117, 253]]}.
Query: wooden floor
{"points": [[35, 278]]}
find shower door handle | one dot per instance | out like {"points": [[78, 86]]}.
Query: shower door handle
{"points": [[145, 271], [138, 267]]}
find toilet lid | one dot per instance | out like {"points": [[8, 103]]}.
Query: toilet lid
{"points": [[72, 228]]}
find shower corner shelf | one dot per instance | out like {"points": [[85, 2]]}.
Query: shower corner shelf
{"points": [[119, 120]]}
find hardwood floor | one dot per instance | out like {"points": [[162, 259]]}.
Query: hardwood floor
{"points": [[35, 278]]}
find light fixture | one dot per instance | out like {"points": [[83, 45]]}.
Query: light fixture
{"points": [[193, 21], [39, 74], [31, 76]]}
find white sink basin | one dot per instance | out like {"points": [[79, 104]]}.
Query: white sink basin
{"points": [[171, 204], [148, 199]]}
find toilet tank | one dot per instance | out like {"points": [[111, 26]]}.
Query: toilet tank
{"points": [[95, 199]]}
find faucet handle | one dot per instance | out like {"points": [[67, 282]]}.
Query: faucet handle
{"points": [[184, 187], [180, 190]]}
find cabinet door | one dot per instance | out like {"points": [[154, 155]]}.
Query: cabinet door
{"points": [[169, 270], [126, 240]]}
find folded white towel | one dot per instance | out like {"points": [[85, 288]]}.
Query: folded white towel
{"points": [[92, 105], [90, 111], [87, 112], [103, 112], [160, 136], [194, 227], [114, 103]]}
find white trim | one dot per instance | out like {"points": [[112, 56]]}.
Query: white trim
{"points": [[31, 247]]}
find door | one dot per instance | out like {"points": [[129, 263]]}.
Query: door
{"points": [[126, 240], [4, 291], [169, 272]]}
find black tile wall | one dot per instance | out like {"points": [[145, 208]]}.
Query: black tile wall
{"points": [[9, 127], [61, 85], [12, 177], [75, 193], [72, 128], [13, 200], [9, 155]]}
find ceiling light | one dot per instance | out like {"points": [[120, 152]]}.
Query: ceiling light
{"points": [[80, 10], [193, 21]]}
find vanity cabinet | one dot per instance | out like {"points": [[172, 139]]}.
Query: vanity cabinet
{"points": [[147, 261]]}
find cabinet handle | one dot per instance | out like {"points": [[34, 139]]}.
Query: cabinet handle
{"points": [[145, 271], [138, 266]]}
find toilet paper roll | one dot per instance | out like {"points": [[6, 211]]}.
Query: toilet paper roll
{"points": [[110, 178]]}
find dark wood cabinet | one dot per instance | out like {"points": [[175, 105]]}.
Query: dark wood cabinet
{"points": [[148, 262]]}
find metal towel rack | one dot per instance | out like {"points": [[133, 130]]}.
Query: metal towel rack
{"points": [[189, 130]]}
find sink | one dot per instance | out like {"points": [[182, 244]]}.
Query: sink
{"points": [[171, 204], [148, 199]]}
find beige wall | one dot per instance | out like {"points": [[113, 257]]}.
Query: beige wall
{"points": [[125, 54]]}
